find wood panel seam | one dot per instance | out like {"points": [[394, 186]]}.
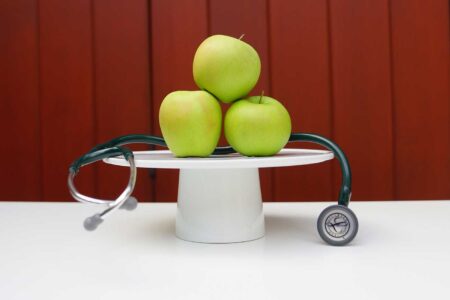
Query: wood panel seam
{"points": [[393, 110], [331, 91], [150, 93], [269, 67], [95, 136], [41, 152]]}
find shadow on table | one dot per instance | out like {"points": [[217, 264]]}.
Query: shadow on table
{"points": [[284, 234], [282, 229]]}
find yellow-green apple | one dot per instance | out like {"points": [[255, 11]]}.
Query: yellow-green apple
{"points": [[257, 126], [226, 67], [190, 122]]}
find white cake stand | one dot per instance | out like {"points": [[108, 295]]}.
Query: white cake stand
{"points": [[219, 197]]}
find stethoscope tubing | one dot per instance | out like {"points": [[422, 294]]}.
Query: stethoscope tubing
{"points": [[114, 148]]}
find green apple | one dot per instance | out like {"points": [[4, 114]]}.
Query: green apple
{"points": [[190, 122], [226, 67], [257, 126]]}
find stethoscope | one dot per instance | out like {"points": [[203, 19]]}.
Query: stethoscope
{"points": [[125, 201]]}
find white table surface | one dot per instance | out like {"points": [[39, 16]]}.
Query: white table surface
{"points": [[402, 251]]}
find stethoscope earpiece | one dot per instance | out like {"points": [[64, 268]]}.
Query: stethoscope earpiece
{"points": [[91, 223], [130, 204]]}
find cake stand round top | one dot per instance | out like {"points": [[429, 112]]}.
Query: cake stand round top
{"points": [[164, 159]]}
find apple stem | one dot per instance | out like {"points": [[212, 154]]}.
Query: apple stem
{"points": [[260, 98], [242, 35]]}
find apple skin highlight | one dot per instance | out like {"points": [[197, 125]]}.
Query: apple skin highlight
{"points": [[257, 126], [191, 122], [226, 67]]}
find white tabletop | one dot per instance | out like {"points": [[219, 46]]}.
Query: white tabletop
{"points": [[165, 159], [402, 251]]}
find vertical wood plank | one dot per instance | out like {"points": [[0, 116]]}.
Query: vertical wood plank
{"points": [[19, 101], [420, 46], [177, 28], [300, 80], [66, 93], [249, 18], [362, 99], [122, 85]]}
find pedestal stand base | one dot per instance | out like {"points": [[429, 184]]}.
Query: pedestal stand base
{"points": [[219, 205]]}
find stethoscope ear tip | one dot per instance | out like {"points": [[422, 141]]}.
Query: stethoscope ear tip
{"points": [[130, 204], [91, 223]]}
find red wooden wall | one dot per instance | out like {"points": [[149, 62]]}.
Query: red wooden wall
{"points": [[372, 75]]}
